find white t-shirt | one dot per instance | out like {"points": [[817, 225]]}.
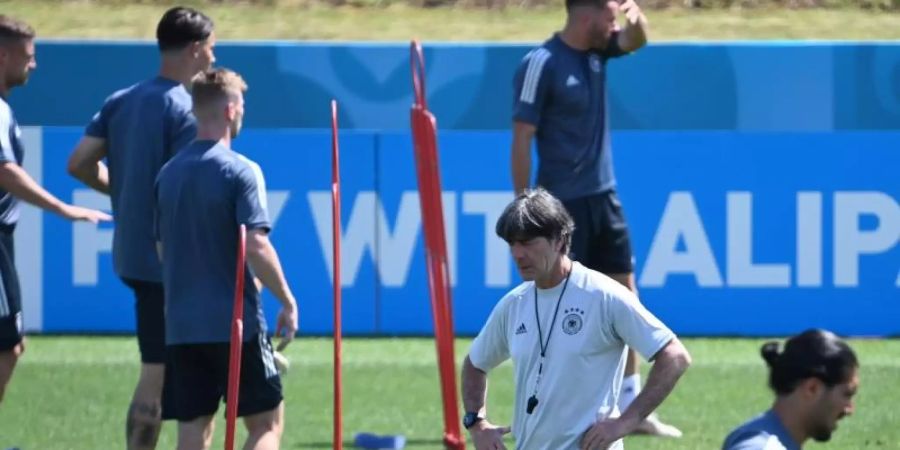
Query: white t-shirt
{"points": [[585, 357]]}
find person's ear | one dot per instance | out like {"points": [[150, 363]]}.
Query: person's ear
{"points": [[812, 388]]}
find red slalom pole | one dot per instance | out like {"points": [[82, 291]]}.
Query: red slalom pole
{"points": [[237, 338], [336, 240], [424, 131]]}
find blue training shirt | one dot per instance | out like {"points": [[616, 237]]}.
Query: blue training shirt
{"points": [[562, 92], [11, 151], [203, 195], [765, 432], [143, 125]]}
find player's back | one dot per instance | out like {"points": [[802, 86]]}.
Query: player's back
{"points": [[143, 125], [764, 432], [199, 209]]}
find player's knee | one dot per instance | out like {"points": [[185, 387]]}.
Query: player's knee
{"points": [[264, 428], [152, 376], [269, 422], [8, 360], [196, 434], [148, 391]]}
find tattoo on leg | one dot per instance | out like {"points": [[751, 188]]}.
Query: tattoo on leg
{"points": [[143, 424]]}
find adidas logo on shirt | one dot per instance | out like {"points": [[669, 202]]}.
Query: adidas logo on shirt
{"points": [[572, 81], [521, 329]]}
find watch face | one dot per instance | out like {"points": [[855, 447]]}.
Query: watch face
{"points": [[470, 419]]}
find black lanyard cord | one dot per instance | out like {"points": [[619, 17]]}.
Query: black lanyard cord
{"points": [[537, 317], [533, 400]]}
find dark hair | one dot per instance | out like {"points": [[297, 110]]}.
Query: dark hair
{"points": [[13, 29], [812, 354], [181, 26], [536, 213], [578, 3]]}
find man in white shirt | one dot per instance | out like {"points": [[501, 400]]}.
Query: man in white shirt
{"points": [[566, 328]]}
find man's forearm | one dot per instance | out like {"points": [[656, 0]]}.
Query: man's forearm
{"points": [[95, 177], [267, 267], [521, 162], [16, 181], [669, 365], [474, 388], [634, 35]]}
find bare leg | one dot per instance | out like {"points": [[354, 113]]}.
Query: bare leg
{"points": [[264, 429], [196, 434], [145, 413], [8, 360]]}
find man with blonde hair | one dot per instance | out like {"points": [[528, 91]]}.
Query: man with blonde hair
{"points": [[16, 63], [203, 195]]}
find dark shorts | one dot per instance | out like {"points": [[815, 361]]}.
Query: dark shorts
{"points": [[199, 378], [149, 308], [600, 240], [11, 329]]}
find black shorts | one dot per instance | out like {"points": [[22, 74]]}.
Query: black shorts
{"points": [[149, 308], [199, 378], [600, 240], [11, 329]]}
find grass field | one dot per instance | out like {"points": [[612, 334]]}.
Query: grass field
{"points": [[70, 393], [386, 21]]}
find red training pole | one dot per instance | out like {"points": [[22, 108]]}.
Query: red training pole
{"points": [[237, 337], [424, 130], [336, 239]]}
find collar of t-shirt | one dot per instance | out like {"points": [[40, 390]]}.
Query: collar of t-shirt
{"points": [[557, 38], [777, 428], [553, 291], [547, 301], [167, 81], [202, 145]]}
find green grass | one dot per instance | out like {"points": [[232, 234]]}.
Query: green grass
{"points": [[386, 21], [71, 393]]}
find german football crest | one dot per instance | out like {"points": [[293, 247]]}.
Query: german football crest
{"points": [[573, 321], [595, 63]]}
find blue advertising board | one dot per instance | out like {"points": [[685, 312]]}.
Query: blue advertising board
{"points": [[710, 86], [758, 179], [734, 233]]}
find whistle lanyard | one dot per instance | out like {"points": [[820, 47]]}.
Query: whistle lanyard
{"points": [[532, 402]]}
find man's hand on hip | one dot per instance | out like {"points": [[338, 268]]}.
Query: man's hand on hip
{"points": [[487, 436], [604, 432]]}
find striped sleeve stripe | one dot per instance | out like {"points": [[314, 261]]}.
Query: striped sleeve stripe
{"points": [[773, 443], [4, 301], [6, 131], [533, 75], [268, 359]]}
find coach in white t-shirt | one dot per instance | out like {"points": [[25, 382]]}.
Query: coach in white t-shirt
{"points": [[567, 329]]}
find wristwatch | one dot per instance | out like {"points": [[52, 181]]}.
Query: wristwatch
{"points": [[470, 419]]}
